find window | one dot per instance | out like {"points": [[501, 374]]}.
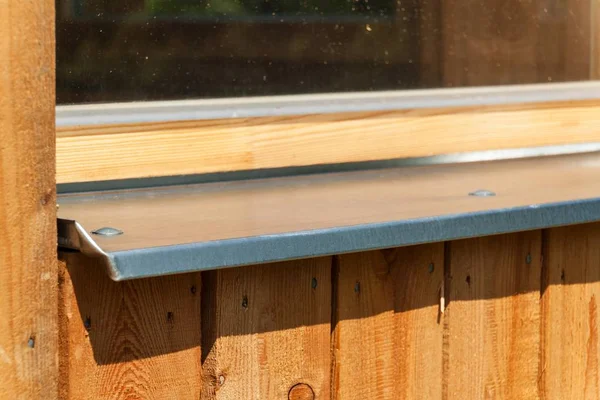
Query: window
{"points": [[132, 50], [155, 88]]}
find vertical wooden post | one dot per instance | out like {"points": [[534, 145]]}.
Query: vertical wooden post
{"points": [[28, 265]]}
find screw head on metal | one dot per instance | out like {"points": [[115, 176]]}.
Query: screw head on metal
{"points": [[107, 231], [482, 193]]}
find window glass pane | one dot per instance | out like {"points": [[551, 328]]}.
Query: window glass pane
{"points": [[128, 50]]}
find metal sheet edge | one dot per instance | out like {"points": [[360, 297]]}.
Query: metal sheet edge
{"points": [[302, 104], [176, 259], [72, 236]]}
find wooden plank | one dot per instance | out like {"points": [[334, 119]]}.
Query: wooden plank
{"points": [[491, 343], [28, 268], [163, 149], [137, 339], [387, 339], [569, 366], [266, 331]]}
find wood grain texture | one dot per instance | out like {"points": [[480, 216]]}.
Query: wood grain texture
{"points": [[163, 149], [266, 329], [387, 339], [570, 363], [129, 340], [491, 343], [28, 266]]}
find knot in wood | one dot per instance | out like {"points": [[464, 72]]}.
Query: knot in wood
{"points": [[301, 391]]}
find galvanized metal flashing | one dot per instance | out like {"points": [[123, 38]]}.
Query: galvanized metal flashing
{"points": [[218, 225], [166, 260]]}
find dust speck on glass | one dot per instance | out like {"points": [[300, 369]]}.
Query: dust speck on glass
{"points": [[130, 50]]}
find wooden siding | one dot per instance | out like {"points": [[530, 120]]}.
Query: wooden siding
{"points": [[503, 317], [129, 340]]}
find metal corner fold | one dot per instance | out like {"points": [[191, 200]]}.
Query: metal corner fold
{"points": [[73, 237]]}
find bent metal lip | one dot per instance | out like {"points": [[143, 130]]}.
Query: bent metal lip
{"points": [[186, 228]]}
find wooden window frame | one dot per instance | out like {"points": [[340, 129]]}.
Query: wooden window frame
{"points": [[156, 139], [147, 140]]}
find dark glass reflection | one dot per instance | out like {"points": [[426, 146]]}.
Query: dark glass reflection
{"points": [[126, 50]]}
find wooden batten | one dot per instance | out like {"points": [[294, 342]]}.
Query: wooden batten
{"points": [[95, 153], [28, 265]]}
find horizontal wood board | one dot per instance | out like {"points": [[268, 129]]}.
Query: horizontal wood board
{"points": [[113, 152]]}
